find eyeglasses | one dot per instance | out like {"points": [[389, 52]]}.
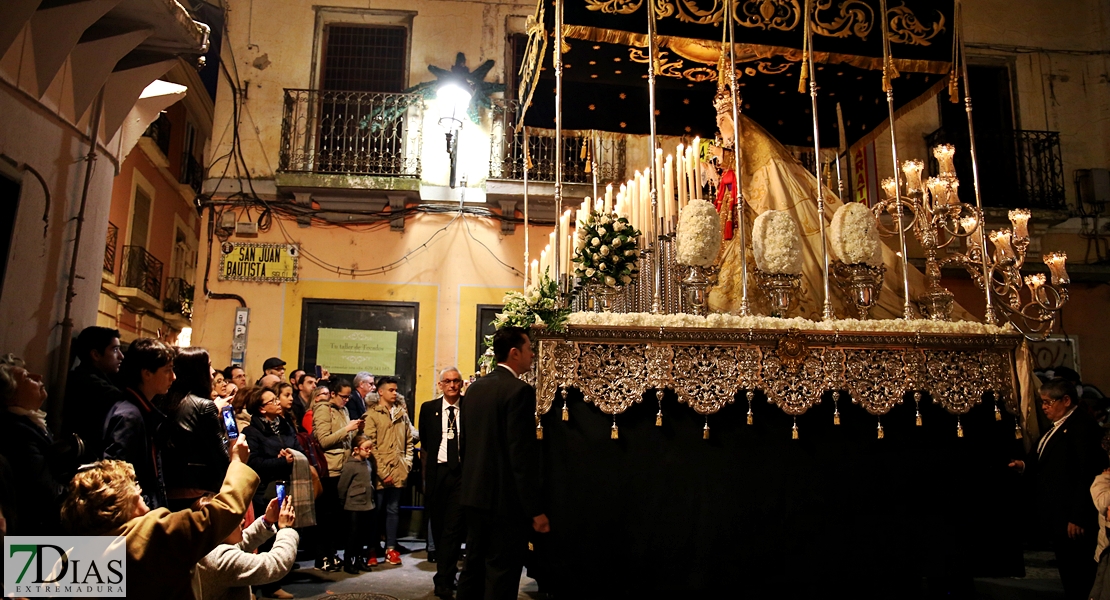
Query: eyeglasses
{"points": [[343, 396], [1049, 401], [274, 401], [451, 382]]}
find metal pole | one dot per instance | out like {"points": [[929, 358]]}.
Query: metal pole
{"points": [[738, 154], [989, 315], [558, 58], [67, 318], [527, 263], [907, 310], [652, 175], [827, 309]]}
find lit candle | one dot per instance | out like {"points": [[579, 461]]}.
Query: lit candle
{"points": [[953, 188], [1020, 219], [633, 199], [543, 263], [944, 153], [1034, 281], [971, 226], [890, 188], [668, 191], [535, 279], [681, 177], [564, 238], [1056, 265], [697, 168], [609, 199], [1002, 248], [569, 270], [912, 169], [938, 189]]}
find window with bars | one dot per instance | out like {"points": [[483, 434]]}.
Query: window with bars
{"points": [[364, 58]]}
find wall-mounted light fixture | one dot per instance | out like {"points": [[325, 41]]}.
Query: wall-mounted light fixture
{"points": [[453, 97]]}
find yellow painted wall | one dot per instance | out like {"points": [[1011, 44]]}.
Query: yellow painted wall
{"points": [[452, 267]]}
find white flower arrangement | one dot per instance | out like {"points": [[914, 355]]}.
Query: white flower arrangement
{"points": [[726, 321], [699, 234], [776, 243], [609, 257], [854, 235]]}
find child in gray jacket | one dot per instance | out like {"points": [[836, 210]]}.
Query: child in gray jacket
{"points": [[229, 571], [356, 491]]}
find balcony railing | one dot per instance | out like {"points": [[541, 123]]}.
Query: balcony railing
{"points": [[192, 173], [351, 133], [1017, 169], [159, 131], [141, 270], [110, 249], [507, 151], [179, 297]]}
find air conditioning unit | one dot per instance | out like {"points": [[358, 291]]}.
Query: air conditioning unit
{"points": [[246, 229], [1094, 186]]}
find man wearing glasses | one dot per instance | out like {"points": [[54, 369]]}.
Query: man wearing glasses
{"points": [[1064, 463], [439, 426]]}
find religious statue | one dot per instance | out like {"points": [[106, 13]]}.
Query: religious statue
{"points": [[721, 170]]}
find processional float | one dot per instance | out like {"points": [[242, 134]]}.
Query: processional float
{"points": [[628, 289]]}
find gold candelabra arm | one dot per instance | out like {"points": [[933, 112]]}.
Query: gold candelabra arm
{"points": [[890, 206]]}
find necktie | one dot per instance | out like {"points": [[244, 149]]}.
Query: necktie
{"points": [[452, 439]]}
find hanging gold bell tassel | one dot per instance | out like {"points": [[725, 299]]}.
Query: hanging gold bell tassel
{"points": [[836, 407], [659, 418], [997, 413], [751, 416], [794, 430], [613, 433], [705, 430], [959, 428], [539, 432], [566, 413], [836, 417], [917, 405], [1017, 430], [879, 433], [917, 419]]}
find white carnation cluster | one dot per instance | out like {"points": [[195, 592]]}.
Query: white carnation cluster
{"points": [[726, 321], [776, 243], [699, 234], [854, 235]]}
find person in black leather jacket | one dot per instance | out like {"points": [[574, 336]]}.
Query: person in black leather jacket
{"points": [[196, 445], [270, 438]]}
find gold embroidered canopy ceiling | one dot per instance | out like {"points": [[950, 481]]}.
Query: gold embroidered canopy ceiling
{"points": [[605, 63]]}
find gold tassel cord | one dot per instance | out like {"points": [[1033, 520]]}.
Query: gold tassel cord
{"points": [[614, 433], [751, 416], [954, 74], [705, 430], [563, 393], [794, 430], [805, 53], [566, 413], [879, 432], [959, 428], [836, 407], [659, 418], [917, 405], [997, 413], [889, 70], [539, 426], [1017, 430]]}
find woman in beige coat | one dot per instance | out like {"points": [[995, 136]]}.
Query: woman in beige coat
{"points": [[332, 428]]}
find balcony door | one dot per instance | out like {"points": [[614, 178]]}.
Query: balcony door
{"points": [[9, 202], [361, 123]]}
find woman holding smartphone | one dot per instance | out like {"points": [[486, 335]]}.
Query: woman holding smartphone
{"points": [[271, 440]]}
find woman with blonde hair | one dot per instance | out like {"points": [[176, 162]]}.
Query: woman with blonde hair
{"points": [[163, 547]]}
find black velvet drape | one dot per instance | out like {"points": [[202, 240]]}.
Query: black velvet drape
{"points": [[752, 513]]}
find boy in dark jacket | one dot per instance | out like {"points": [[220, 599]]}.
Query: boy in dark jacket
{"points": [[356, 491]]}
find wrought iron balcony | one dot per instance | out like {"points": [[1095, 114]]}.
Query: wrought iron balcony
{"points": [[142, 271], [179, 297], [351, 133], [192, 173], [1017, 169], [110, 249], [507, 150], [159, 131]]}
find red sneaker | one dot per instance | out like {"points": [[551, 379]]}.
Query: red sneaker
{"points": [[392, 556], [372, 561]]}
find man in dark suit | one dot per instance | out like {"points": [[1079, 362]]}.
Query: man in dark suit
{"points": [[439, 426], [1066, 460], [363, 396], [501, 472], [90, 390]]}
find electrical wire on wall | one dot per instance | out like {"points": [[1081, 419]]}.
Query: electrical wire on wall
{"points": [[248, 206]]}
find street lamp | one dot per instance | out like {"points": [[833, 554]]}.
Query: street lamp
{"points": [[454, 100]]}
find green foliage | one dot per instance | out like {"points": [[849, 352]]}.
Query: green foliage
{"points": [[607, 252], [538, 307]]}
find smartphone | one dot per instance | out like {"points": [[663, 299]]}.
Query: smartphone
{"points": [[229, 423], [281, 492], [319, 372]]}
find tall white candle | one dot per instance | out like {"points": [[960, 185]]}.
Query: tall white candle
{"points": [[633, 199], [688, 165], [668, 191], [697, 168], [535, 279], [681, 177], [609, 199], [543, 262]]}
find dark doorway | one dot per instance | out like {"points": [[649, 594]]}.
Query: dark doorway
{"points": [[9, 205], [486, 314], [390, 325]]}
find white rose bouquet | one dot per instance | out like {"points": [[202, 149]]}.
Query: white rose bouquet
{"points": [[537, 306], [776, 243], [606, 251], [854, 235], [699, 234]]}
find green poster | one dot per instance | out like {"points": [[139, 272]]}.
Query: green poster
{"points": [[353, 350]]}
